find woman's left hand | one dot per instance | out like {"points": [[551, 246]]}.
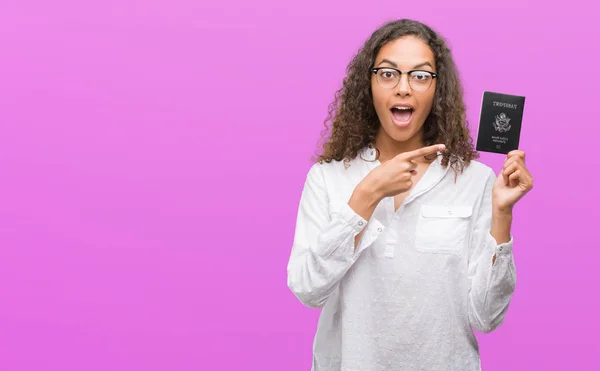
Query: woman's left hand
{"points": [[513, 182]]}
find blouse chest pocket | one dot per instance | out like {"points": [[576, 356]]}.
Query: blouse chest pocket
{"points": [[442, 229]]}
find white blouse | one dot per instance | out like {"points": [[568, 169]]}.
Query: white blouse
{"points": [[421, 278]]}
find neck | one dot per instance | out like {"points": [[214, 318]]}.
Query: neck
{"points": [[389, 148]]}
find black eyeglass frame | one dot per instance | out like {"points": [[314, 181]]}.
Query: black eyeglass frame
{"points": [[376, 69]]}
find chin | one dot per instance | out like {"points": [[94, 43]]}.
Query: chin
{"points": [[402, 134]]}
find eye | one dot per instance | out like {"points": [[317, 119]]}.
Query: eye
{"points": [[420, 76], [388, 74]]}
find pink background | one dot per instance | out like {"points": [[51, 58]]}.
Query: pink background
{"points": [[152, 155]]}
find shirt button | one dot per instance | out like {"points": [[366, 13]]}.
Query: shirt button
{"points": [[501, 247], [379, 229], [360, 223]]}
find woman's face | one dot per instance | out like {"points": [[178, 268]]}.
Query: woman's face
{"points": [[403, 108]]}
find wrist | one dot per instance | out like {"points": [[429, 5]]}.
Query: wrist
{"points": [[363, 201], [501, 225], [368, 193], [502, 212]]}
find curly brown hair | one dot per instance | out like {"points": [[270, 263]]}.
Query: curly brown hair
{"points": [[354, 122]]}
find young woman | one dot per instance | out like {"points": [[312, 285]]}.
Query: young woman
{"points": [[402, 238]]}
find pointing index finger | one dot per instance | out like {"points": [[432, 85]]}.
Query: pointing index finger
{"points": [[424, 151]]}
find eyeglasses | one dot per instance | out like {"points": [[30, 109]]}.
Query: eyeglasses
{"points": [[418, 80]]}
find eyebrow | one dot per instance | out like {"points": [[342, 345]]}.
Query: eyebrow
{"points": [[395, 65]]}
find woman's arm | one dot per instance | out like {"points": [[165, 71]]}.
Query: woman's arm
{"points": [[491, 270], [325, 247], [501, 224]]}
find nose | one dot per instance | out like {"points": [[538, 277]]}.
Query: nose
{"points": [[403, 87]]}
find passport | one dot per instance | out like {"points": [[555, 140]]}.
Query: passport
{"points": [[500, 122]]}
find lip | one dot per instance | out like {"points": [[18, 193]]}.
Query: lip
{"points": [[402, 105]]}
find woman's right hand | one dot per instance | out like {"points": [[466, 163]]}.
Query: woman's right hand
{"points": [[395, 176], [391, 178]]}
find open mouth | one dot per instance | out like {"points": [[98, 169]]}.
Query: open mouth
{"points": [[402, 114]]}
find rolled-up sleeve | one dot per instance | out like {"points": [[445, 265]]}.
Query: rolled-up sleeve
{"points": [[323, 248], [492, 283]]}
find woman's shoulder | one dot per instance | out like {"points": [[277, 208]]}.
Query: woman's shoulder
{"points": [[336, 166], [477, 167], [330, 169], [335, 172], [477, 172]]}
